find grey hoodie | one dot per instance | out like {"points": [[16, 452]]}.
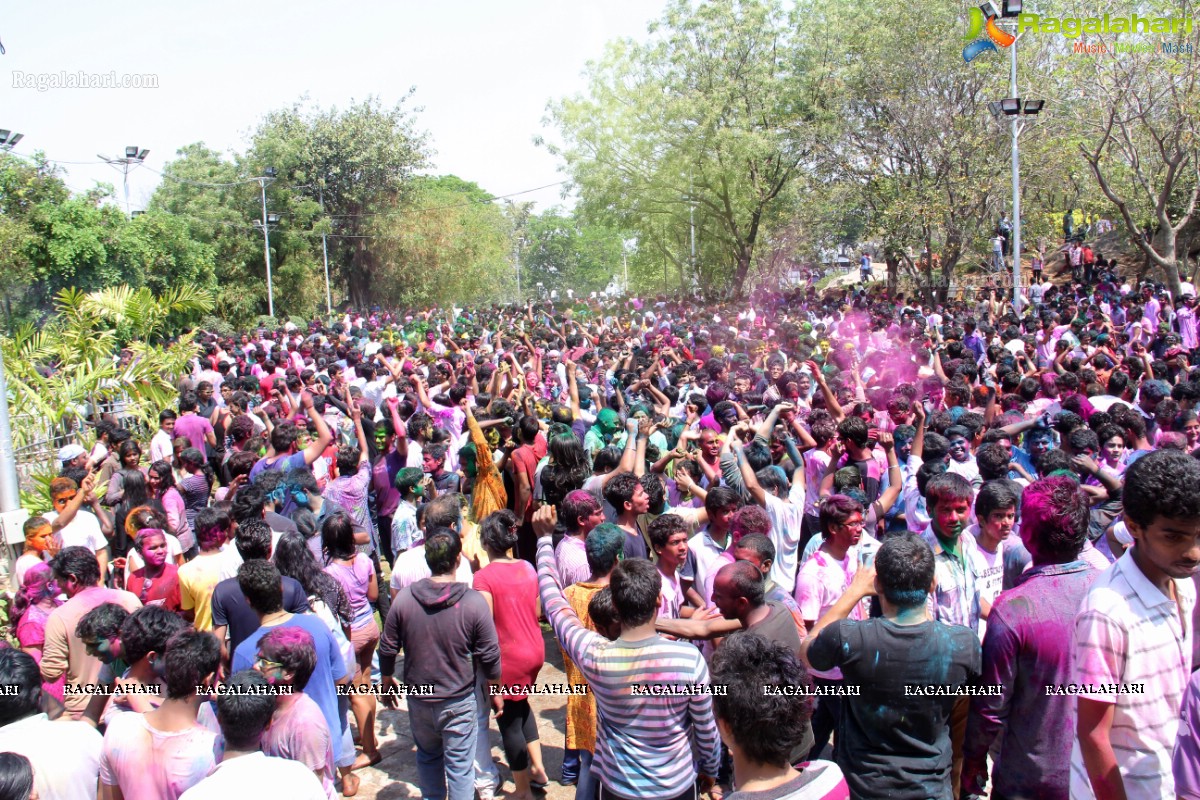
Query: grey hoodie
{"points": [[445, 630]]}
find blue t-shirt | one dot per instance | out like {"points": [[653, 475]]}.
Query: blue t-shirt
{"points": [[330, 666]]}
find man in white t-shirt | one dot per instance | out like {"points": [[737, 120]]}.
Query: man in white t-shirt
{"points": [[161, 448], [245, 771], [65, 754], [74, 526], [996, 515], [785, 507], [164, 752]]}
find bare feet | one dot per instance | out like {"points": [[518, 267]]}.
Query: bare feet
{"points": [[350, 783]]}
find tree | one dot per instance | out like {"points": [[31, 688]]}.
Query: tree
{"points": [[564, 253], [211, 194], [359, 164], [714, 117], [448, 243], [1143, 145]]}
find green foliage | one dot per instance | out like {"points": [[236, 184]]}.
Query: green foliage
{"points": [[80, 342], [562, 252], [447, 244], [712, 119]]}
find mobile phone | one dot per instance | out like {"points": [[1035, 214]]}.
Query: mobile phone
{"points": [[866, 558]]}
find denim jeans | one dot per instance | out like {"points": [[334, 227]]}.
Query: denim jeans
{"points": [[570, 766], [487, 775], [445, 732], [587, 786]]}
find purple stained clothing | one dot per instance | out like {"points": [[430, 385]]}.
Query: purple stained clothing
{"points": [[1027, 648], [196, 429], [1185, 763], [383, 480], [1186, 319]]}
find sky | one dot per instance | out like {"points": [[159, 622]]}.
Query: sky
{"points": [[483, 72]]}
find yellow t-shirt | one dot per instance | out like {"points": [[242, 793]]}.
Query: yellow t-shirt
{"points": [[197, 580]]}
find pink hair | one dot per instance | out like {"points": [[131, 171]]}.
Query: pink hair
{"points": [[38, 585]]}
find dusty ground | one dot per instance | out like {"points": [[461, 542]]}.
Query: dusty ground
{"points": [[395, 777]]}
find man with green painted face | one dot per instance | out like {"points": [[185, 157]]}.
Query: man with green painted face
{"points": [[607, 431], [410, 484]]}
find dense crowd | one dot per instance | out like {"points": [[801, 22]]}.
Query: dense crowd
{"points": [[805, 545]]}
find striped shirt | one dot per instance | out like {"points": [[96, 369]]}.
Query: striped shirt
{"points": [[955, 600], [571, 556], [1128, 632], [644, 744]]}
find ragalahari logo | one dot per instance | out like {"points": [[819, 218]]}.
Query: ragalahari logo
{"points": [[992, 35]]}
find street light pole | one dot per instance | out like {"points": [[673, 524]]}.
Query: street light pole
{"points": [[262, 182], [1016, 180], [133, 157], [269, 174], [325, 254]]}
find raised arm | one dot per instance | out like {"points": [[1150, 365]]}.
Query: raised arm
{"points": [[324, 436], [748, 477]]}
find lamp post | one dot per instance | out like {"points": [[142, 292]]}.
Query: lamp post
{"points": [[133, 158], [267, 220], [8, 139], [325, 253], [1012, 107], [520, 243]]}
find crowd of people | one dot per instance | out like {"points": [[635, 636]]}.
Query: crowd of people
{"points": [[803, 545]]}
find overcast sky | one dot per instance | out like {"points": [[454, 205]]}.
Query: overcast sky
{"points": [[483, 71]]}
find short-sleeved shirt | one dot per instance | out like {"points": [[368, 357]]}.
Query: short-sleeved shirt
{"points": [[298, 731], [514, 590], [149, 764], [1128, 633], [82, 531], [703, 558], [330, 667], [787, 517], [258, 775], [198, 579], [230, 609], [196, 428], [821, 582], [45, 744], [893, 743]]}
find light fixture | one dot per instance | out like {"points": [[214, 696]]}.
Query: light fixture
{"points": [[142, 155], [269, 172], [272, 219], [1034, 106], [137, 214], [1011, 106], [16, 137], [131, 151], [994, 107], [990, 9], [1012, 8]]}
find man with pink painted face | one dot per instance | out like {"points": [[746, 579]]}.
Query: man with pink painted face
{"points": [[1027, 648], [298, 730]]}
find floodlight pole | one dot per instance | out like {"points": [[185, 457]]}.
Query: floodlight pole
{"points": [[325, 253], [262, 182], [1016, 180]]}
